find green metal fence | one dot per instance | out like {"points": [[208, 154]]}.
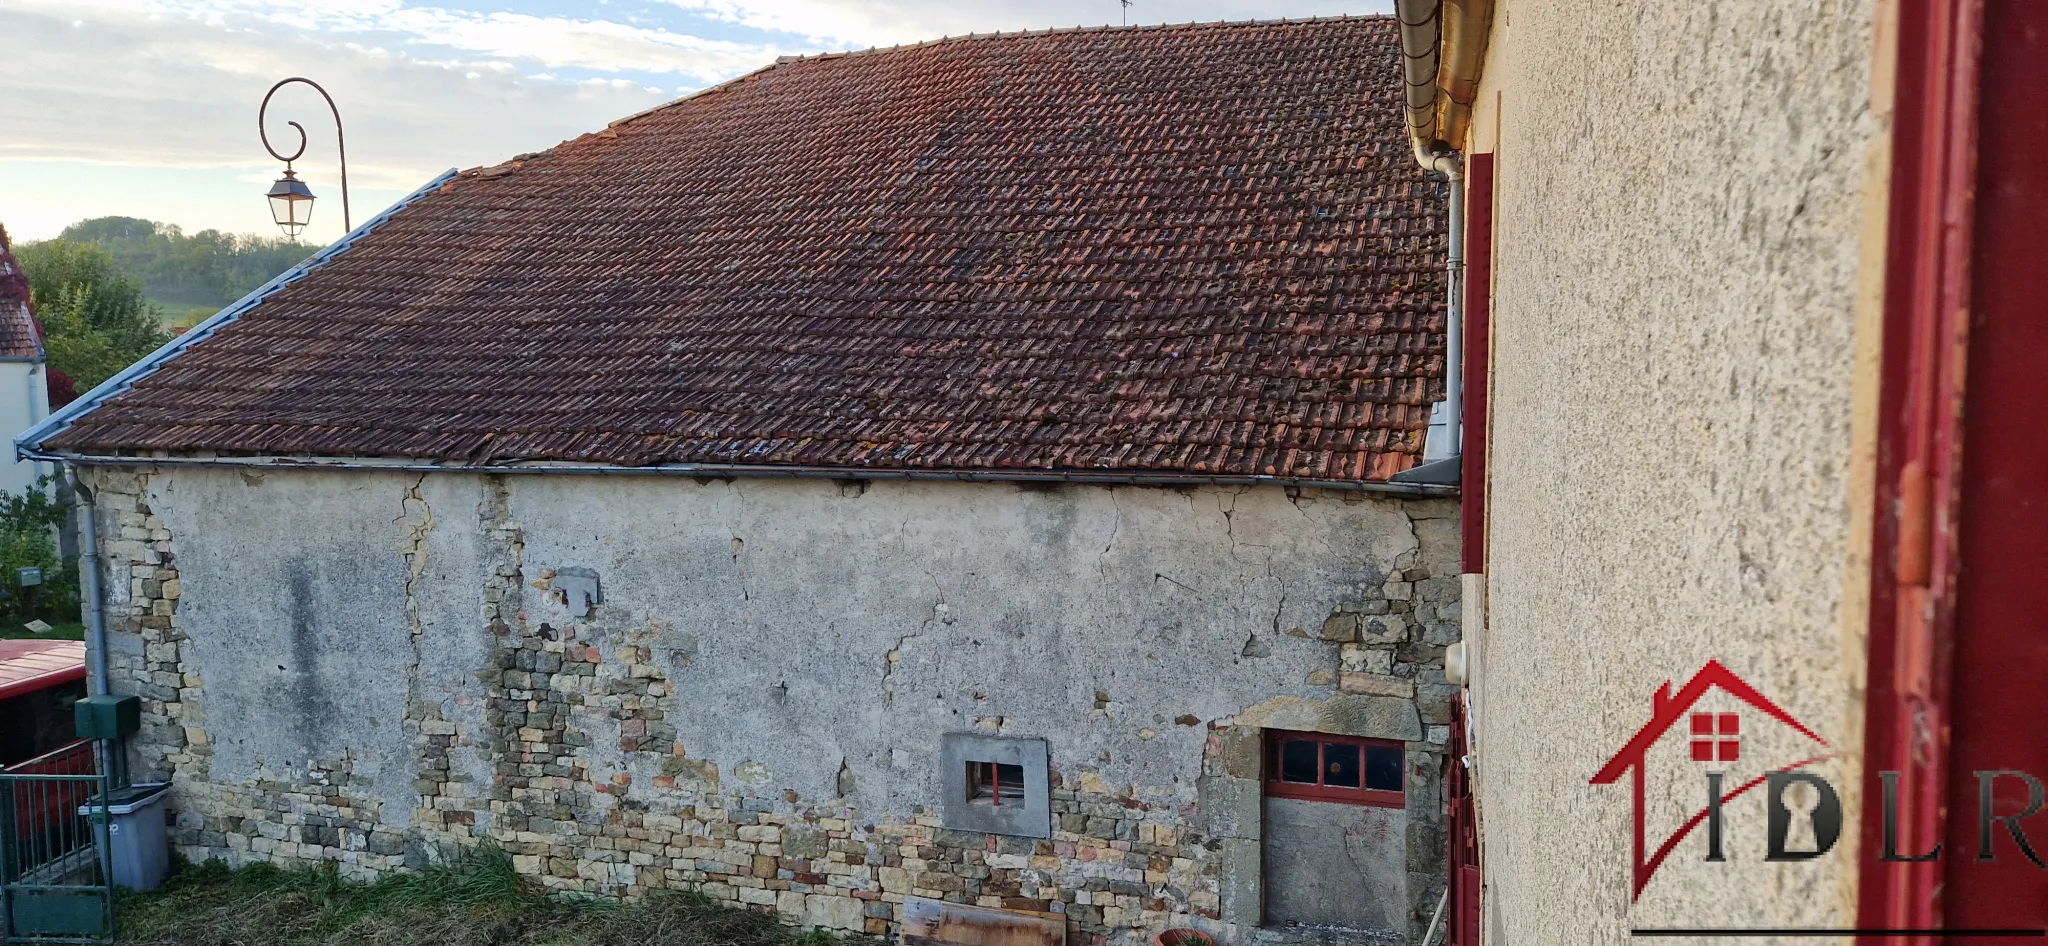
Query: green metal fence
{"points": [[53, 877]]}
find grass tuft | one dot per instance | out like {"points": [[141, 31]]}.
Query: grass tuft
{"points": [[477, 901]]}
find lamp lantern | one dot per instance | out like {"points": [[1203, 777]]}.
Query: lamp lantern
{"points": [[291, 203]]}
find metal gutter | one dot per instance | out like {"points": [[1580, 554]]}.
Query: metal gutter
{"points": [[1432, 43], [1443, 47], [1421, 38], [33, 438], [769, 471]]}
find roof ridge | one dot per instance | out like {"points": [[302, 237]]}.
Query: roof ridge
{"points": [[781, 61], [1104, 28]]}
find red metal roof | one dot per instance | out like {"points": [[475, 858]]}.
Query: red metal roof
{"points": [[1194, 249], [30, 665]]}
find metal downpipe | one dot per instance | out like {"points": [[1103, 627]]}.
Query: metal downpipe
{"points": [[97, 676], [1454, 312], [89, 583]]}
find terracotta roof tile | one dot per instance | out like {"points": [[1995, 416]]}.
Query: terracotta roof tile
{"points": [[1180, 249], [19, 336]]}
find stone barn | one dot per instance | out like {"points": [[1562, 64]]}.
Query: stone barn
{"points": [[959, 472]]}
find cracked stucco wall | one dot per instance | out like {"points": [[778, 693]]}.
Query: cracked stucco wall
{"points": [[373, 668]]}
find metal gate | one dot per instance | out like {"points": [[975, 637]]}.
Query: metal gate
{"points": [[53, 874]]}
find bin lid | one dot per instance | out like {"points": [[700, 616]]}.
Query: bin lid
{"points": [[125, 800]]}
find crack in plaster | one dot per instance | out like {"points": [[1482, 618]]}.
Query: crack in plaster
{"points": [[1116, 525], [739, 545], [416, 520], [937, 613]]}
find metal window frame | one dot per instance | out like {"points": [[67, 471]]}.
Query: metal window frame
{"points": [[1030, 818]]}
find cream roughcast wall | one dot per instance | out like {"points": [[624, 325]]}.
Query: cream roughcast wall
{"points": [[373, 668], [1679, 439]]}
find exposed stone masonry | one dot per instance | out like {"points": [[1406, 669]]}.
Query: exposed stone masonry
{"points": [[568, 706]]}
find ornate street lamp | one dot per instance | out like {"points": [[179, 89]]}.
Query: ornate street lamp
{"points": [[291, 201]]}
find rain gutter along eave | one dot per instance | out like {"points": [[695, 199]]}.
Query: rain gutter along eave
{"points": [[759, 470]]}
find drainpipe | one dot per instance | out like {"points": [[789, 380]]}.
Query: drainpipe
{"points": [[89, 582], [1422, 30], [95, 614], [1454, 308]]}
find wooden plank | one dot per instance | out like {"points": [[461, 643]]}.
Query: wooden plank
{"points": [[929, 922]]}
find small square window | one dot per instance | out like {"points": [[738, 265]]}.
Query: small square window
{"points": [[994, 783], [1728, 724], [1702, 724]]}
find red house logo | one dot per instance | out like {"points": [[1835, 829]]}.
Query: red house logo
{"points": [[1712, 737]]}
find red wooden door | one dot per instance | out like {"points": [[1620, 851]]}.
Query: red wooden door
{"points": [[1959, 606], [1998, 705], [1462, 905]]}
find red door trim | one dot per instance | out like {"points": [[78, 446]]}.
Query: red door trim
{"points": [[1913, 562]]}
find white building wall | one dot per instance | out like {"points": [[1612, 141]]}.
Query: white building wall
{"points": [[24, 401]]}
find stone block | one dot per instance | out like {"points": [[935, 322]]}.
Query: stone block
{"points": [[1230, 806], [1241, 750], [1375, 684], [1358, 658], [804, 841], [1383, 629], [1439, 590], [1341, 627], [1242, 889], [1373, 717], [833, 912]]}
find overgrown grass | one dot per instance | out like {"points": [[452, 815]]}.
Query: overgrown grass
{"points": [[480, 901]]}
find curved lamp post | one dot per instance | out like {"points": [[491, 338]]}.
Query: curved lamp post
{"points": [[291, 201]]}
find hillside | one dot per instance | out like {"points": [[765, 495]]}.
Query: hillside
{"points": [[188, 276]]}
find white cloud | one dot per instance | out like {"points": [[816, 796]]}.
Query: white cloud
{"points": [[173, 92]]}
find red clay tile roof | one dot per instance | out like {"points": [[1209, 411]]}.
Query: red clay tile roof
{"points": [[18, 335], [1179, 249]]}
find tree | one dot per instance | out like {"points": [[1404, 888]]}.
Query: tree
{"points": [[208, 269], [95, 318]]}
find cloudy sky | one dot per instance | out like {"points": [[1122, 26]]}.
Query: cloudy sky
{"points": [[147, 108]]}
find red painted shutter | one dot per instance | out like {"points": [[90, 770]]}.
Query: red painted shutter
{"points": [[1478, 299]]}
